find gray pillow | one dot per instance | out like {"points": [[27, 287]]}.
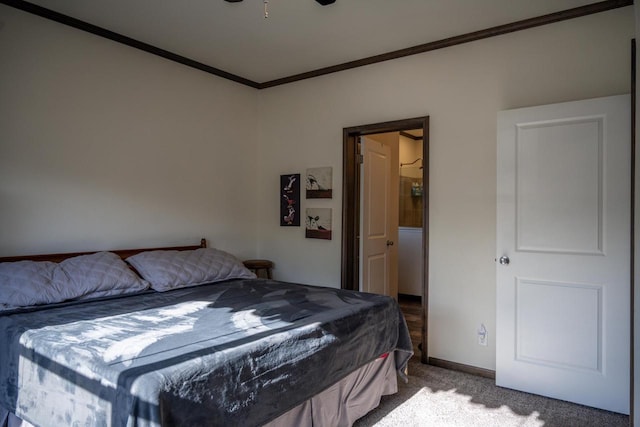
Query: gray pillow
{"points": [[27, 283], [167, 270], [99, 274]]}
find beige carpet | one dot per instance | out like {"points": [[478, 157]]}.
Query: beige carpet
{"points": [[441, 398]]}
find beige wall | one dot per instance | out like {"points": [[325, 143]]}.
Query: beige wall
{"points": [[461, 88], [105, 146], [410, 150], [411, 175]]}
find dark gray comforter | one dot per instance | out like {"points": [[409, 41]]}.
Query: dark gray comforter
{"points": [[239, 352]]}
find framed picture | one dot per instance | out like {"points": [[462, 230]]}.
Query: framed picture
{"points": [[290, 200], [318, 223], [319, 183]]}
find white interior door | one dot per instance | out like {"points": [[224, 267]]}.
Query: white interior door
{"points": [[563, 221], [376, 225]]}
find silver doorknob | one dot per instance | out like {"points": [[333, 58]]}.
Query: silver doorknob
{"points": [[389, 242], [504, 260]]}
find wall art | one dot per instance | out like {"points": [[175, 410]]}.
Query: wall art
{"points": [[290, 200], [318, 223], [319, 183]]}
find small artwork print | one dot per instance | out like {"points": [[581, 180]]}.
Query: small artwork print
{"points": [[319, 183], [318, 223], [290, 200]]}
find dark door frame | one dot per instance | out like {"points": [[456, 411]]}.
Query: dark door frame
{"points": [[350, 273]]}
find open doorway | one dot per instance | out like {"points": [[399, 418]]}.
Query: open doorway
{"points": [[351, 208]]}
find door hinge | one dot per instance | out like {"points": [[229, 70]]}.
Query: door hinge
{"points": [[359, 158]]}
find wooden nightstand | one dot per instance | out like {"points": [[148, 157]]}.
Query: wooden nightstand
{"points": [[258, 265]]}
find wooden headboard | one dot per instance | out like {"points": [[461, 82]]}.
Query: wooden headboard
{"points": [[123, 253]]}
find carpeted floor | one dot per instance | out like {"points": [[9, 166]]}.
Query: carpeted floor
{"points": [[441, 398]]}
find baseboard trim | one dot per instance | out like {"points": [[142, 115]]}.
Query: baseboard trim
{"points": [[461, 367]]}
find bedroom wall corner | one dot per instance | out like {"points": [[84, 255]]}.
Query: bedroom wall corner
{"points": [[103, 146]]}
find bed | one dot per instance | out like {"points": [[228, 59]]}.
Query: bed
{"points": [[187, 336]]}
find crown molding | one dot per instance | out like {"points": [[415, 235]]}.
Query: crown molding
{"points": [[564, 15]]}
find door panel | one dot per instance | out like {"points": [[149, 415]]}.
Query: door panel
{"points": [[377, 171], [577, 339], [377, 271], [563, 221], [559, 209]]}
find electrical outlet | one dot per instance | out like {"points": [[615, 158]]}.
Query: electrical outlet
{"points": [[483, 335]]}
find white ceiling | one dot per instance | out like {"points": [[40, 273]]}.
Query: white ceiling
{"points": [[299, 35]]}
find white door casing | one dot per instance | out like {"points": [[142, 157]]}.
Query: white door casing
{"points": [[563, 220], [378, 231]]}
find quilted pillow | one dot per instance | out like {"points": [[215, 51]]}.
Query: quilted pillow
{"points": [[167, 270], [25, 283], [99, 274], [28, 283]]}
